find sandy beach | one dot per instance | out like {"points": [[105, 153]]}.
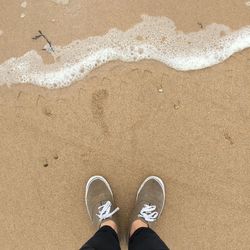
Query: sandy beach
{"points": [[124, 121]]}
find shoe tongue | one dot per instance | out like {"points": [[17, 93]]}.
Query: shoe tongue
{"points": [[145, 202], [104, 202]]}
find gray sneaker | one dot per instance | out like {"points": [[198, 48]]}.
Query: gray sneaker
{"points": [[99, 201], [150, 201]]}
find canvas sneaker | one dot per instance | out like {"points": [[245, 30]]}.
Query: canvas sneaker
{"points": [[150, 200], [100, 201]]}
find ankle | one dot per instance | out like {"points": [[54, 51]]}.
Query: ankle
{"points": [[111, 224], [136, 225]]}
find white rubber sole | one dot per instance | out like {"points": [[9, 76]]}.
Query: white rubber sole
{"points": [[93, 178], [157, 179]]}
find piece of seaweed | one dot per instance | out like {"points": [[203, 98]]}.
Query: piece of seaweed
{"points": [[47, 40]]}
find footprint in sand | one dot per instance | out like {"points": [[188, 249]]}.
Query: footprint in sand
{"points": [[97, 108]]}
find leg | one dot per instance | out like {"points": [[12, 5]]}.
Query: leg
{"points": [[145, 238], [100, 206], [104, 239], [149, 205]]}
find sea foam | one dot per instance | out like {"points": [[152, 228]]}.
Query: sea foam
{"points": [[63, 2], [153, 38]]}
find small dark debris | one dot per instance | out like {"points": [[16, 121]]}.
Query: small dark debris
{"points": [[43, 36], [177, 105], [200, 24], [45, 163], [229, 138], [19, 94], [55, 157]]}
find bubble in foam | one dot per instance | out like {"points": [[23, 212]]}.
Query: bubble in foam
{"points": [[153, 38], [248, 3], [22, 15], [24, 4]]}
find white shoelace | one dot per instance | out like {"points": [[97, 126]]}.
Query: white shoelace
{"points": [[148, 213], [104, 211]]}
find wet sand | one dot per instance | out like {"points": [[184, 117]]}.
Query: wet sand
{"points": [[125, 121]]}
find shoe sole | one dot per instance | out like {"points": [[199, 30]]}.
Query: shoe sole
{"points": [[92, 179], [160, 182]]}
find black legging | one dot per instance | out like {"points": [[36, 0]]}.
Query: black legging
{"points": [[142, 239]]}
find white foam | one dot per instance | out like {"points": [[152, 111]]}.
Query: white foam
{"points": [[63, 2], [248, 3], [153, 38]]}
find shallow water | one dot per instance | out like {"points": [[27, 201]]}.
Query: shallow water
{"points": [[154, 38]]}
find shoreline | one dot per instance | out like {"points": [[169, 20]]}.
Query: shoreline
{"points": [[125, 121]]}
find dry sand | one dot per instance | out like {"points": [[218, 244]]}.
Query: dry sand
{"points": [[125, 121]]}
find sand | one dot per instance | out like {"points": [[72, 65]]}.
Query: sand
{"points": [[125, 121]]}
